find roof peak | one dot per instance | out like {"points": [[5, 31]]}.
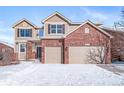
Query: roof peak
{"points": [[62, 16], [94, 25], [24, 19]]}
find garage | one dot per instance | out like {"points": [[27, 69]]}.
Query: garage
{"points": [[53, 55], [79, 55]]}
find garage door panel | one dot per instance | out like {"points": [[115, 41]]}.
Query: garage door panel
{"points": [[79, 55], [53, 55]]}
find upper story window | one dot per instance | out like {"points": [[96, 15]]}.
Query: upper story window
{"points": [[25, 33], [87, 30], [53, 29], [56, 29]]}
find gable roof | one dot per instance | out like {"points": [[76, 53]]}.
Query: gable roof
{"points": [[88, 21], [24, 19], [61, 16], [117, 34], [7, 44], [111, 29]]}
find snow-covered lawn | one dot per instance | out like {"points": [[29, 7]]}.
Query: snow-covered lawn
{"points": [[58, 74]]}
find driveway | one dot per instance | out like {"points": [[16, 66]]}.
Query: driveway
{"points": [[114, 68], [29, 74]]}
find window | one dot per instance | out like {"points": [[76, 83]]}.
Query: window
{"points": [[57, 29], [87, 30], [22, 47], [53, 28], [25, 32]]}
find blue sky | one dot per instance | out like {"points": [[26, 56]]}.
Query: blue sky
{"points": [[9, 15]]}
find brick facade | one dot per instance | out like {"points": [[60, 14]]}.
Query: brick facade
{"points": [[76, 38], [8, 54], [50, 43], [80, 38], [31, 51]]}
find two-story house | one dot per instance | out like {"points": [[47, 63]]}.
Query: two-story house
{"points": [[63, 41]]}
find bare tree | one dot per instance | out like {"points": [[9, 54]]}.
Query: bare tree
{"points": [[119, 25], [97, 54]]}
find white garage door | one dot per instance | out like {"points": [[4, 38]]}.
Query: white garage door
{"points": [[79, 55], [53, 55]]}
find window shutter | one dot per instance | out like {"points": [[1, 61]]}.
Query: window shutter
{"points": [[48, 28], [63, 28], [17, 32]]}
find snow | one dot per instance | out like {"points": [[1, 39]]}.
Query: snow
{"points": [[6, 43], [30, 74]]}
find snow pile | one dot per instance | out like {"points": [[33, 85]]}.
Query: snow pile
{"points": [[45, 74]]}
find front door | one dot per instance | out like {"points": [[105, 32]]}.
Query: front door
{"points": [[39, 53], [22, 51]]}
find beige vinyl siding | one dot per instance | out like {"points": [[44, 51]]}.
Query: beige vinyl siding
{"points": [[72, 27], [53, 55], [57, 20], [26, 25]]}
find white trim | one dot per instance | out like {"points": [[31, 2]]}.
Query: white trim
{"points": [[56, 34], [27, 38], [53, 37], [93, 26]]}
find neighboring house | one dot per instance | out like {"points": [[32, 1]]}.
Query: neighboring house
{"points": [[5, 45], [63, 42], [6, 53], [117, 44]]}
